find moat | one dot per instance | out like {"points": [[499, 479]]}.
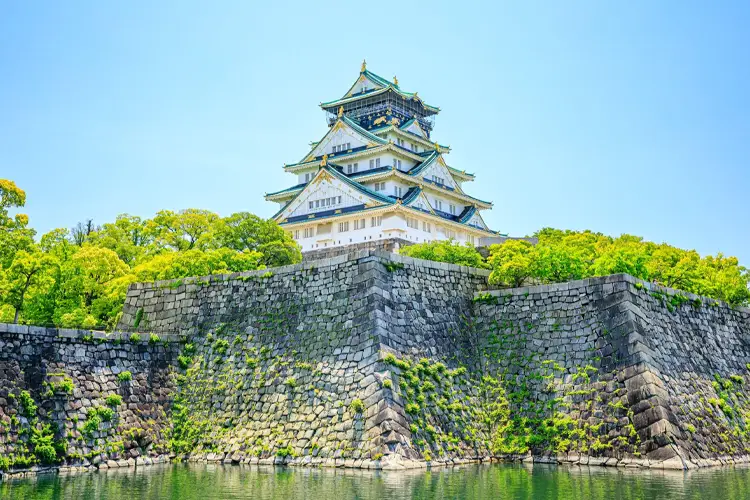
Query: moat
{"points": [[501, 481]]}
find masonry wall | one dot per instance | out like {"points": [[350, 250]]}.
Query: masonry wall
{"points": [[68, 374], [386, 245], [290, 360], [371, 359], [639, 374]]}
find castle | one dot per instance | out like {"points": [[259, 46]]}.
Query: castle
{"points": [[377, 175]]}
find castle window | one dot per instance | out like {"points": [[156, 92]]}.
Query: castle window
{"points": [[317, 203], [348, 145], [343, 226], [397, 191], [426, 227], [414, 148], [309, 232], [453, 209], [438, 205], [376, 221], [412, 223], [380, 186], [311, 205], [398, 164], [359, 224]]}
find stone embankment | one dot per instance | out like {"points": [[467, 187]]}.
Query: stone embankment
{"points": [[375, 360]]}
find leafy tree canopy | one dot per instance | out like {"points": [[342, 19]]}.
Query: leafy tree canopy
{"points": [[79, 277], [446, 251], [569, 255]]}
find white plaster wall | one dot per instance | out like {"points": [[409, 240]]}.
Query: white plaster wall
{"points": [[391, 226]]}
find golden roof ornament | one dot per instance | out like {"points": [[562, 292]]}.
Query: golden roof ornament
{"points": [[437, 147], [364, 66], [395, 80], [341, 111], [324, 161], [388, 111]]}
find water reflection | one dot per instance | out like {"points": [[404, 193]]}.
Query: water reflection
{"points": [[511, 481]]}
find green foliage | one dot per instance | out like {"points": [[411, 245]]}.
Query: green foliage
{"points": [[290, 382], [287, 451], [221, 346], [125, 376], [485, 298], [135, 338], [79, 278], [446, 251], [511, 262], [28, 406], [569, 255], [114, 400], [153, 339], [392, 266], [357, 406], [138, 317], [65, 386], [412, 408]]}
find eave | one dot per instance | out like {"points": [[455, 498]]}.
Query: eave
{"points": [[333, 171], [333, 105], [354, 155], [409, 135], [424, 183], [399, 208]]}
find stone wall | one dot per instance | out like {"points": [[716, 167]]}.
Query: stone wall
{"points": [[635, 373], [371, 359], [387, 245], [57, 382], [290, 361]]}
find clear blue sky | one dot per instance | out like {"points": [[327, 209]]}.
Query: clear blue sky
{"points": [[619, 118]]}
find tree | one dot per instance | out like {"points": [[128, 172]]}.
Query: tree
{"points": [[183, 230], [57, 244], [128, 237], [15, 236], [723, 278], [81, 232], [29, 271], [244, 231], [446, 251], [674, 267], [94, 268], [511, 262], [626, 254], [172, 265]]}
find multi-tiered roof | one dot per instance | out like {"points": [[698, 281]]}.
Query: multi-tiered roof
{"points": [[377, 166]]}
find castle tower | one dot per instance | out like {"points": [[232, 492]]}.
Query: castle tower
{"points": [[377, 174]]}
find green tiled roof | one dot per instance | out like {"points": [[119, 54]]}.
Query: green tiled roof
{"points": [[386, 85], [333, 170]]}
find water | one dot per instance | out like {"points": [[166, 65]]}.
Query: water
{"points": [[537, 482]]}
